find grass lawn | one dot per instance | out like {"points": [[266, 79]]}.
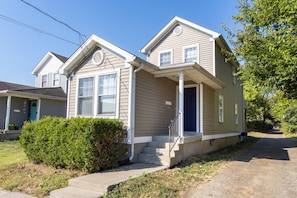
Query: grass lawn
{"points": [[11, 154], [18, 174]]}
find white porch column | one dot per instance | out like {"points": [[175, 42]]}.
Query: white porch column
{"points": [[38, 109], [8, 106], [181, 104], [201, 109]]}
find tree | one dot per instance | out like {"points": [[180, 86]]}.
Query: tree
{"points": [[266, 44]]}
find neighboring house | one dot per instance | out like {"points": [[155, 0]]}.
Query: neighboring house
{"points": [[183, 100], [47, 72], [19, 103]]}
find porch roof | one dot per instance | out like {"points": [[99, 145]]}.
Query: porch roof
{"points": [[192, 71]]}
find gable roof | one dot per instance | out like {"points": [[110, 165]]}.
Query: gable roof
{"points": [[172, 23], [61, 58], [219, 39], [86, 48]]}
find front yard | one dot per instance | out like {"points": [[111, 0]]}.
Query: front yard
{"points": [[18, 174]]}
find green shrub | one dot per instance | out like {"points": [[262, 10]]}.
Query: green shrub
{"points": [[290, 119], [89, 144]]}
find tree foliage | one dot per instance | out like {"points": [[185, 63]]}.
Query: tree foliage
{"points": [[266, 44]]}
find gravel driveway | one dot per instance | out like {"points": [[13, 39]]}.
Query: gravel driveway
{"points": [[267, 169]]}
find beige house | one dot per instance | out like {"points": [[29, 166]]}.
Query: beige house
{"points": [[182, 100]]}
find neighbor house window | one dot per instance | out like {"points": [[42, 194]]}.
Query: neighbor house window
{"points": [[165, 58], [107, 90], [44, 81], [236, 114], [190, 54], [221, 108], [85, 96], [56, 79]]}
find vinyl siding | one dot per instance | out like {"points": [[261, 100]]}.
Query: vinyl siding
{"points": [[52, 108], [18, 117], [232, 94], [2, 112], [189, 36], [111, 62], [152, 116]]}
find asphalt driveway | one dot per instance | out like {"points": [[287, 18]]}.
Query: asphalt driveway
{"points": [[267, 169]]}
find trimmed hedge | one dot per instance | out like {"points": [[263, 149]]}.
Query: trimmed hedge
{"points": [[89, 144]]}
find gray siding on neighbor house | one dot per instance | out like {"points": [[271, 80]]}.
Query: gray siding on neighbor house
{"points": [[19, 111], [232, 94], [2, 111], [52, 108], [189, 36], [111, 63], [152, 115]]}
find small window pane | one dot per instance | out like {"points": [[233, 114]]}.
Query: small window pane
{"points": [[56, 79], [191, 54], [44, 81], [165, 58], [106, 104]]}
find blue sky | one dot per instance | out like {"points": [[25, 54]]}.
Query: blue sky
{"points": [[129, 24]]}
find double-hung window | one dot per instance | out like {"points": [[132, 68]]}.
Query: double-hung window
{"points": [[191, 54], [44, 81], [165, 58], [56, 79], [221, 108], [85, 96], [107, 94]]}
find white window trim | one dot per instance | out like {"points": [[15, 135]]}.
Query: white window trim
{"points": [[95, 96], [117, 103], [165, 51], [221, 109], [190, 46], [77, 90], [42, 80]]}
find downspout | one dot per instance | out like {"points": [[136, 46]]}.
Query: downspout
{"points": [[132, 107]]}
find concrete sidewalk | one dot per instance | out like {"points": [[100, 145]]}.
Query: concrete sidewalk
{"points": [[97, 184], [8, 194]]}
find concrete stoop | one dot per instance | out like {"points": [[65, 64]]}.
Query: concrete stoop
{"points": [[97, 184], [157, 152]]}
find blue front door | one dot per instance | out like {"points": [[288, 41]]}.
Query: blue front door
{"points": [[33, 110], [190, 106]]}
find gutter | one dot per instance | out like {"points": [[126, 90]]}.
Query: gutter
{"points": [[132, 106]]}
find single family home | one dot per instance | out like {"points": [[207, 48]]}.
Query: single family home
{"points": [[19, 103], [184, 99]]}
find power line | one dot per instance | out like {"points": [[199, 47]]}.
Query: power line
{"points": [[63, 23], [34, 28]]}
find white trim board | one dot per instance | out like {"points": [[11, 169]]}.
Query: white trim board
{"points": [[217, 136]]}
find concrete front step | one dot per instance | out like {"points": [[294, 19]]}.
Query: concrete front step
{"points": [[71, 192], [153, 159], [160, 151]]}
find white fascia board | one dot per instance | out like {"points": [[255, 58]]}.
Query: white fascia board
{"points": [[170, 25], [31, 95], [92, 41]]}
